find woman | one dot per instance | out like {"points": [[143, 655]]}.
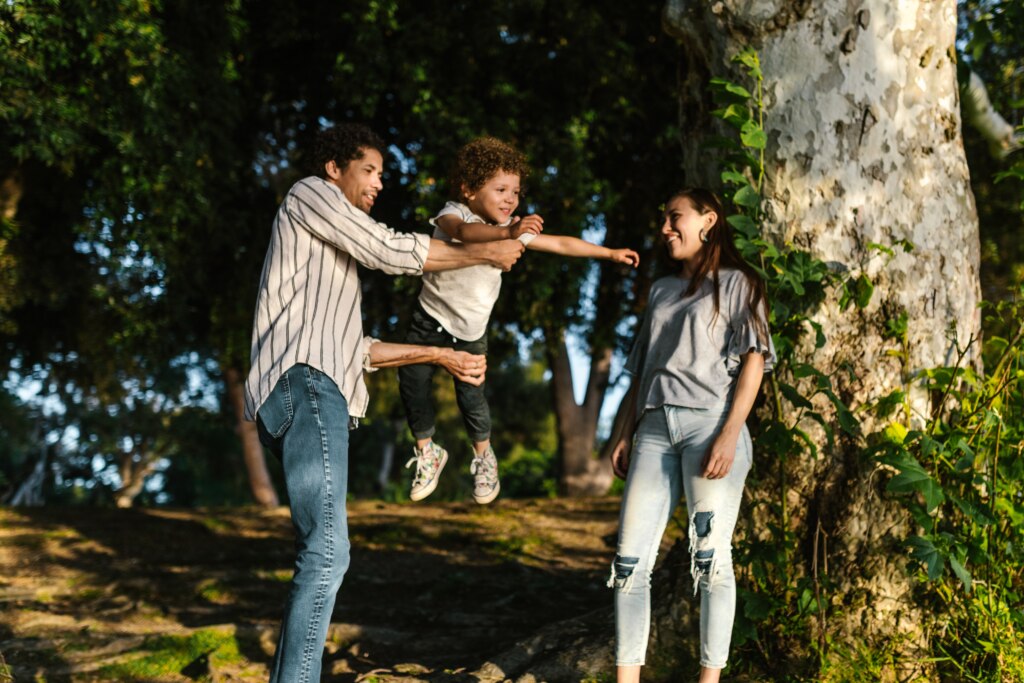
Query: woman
{"points": [[697, 365]]}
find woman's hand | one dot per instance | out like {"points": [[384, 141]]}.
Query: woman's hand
{"points": [[718, 460], [619, 454]]}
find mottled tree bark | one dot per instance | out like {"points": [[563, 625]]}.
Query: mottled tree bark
{"points": [[864, 130]]}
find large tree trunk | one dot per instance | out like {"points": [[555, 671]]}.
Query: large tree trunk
{"points": [[581, 474], [255, 462], [864, 145], [864, 131]]}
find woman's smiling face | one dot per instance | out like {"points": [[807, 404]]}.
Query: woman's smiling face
{"points": [[682, 228]]}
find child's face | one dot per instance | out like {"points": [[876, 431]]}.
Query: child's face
{"points": [[497, 199]]}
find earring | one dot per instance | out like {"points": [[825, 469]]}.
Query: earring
{"points": [[704, 236]]}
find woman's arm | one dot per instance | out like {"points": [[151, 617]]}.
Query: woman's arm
{"points": [[718, 460], [621, 440], [573, 246], [468, 367], [457, 228]]}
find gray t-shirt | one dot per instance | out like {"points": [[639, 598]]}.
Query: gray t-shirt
{"points": [[685, 356], [460, 300]]}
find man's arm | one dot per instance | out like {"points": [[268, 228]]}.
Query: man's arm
{"points": [[468, 367], [445, 256], [320, 208]]}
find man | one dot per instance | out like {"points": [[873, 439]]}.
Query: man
{"points": [[309, 356]]}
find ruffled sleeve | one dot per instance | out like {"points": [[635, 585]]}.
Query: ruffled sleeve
{"points": [[743, 336], [744, 339]]}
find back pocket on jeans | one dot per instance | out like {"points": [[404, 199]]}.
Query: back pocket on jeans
{"points": [[277, 411]]}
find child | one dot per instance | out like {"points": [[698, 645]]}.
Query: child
{"points": [[455, 306]]}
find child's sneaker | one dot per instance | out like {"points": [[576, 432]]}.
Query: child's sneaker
{"points": [[429, 463], [485, 477]]}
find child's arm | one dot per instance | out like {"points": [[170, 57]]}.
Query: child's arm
{"points": [[573, 246], [458, 229]]}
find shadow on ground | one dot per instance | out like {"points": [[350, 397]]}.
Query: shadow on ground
{"points": [[175, 595]]}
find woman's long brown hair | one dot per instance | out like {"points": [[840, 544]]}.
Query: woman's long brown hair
{"points": [[720, 252]]}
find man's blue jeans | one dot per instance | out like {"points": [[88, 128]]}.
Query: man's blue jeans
{"points": [[305, 423]]}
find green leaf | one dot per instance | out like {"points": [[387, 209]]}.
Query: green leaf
{"points": [[863, 290], [895, 432], [794, 396], [961, 573], [924, 550], [743, 224], [734, 178], [916, 479], [819, 334], [752, 136], [806, 438], [758, 606], [730, 87], [747, 196], [885, 406]]}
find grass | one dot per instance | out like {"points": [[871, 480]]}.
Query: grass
{"points": [[213, 591], [170, 654]]}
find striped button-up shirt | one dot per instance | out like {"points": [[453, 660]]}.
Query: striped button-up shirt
{"points": [[309, 308]]}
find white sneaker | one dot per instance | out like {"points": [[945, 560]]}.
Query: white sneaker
{"points": [[429, 463], [485, 477]]}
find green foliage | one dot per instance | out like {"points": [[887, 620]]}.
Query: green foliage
{"points": [[960, 478], [150, 142], [781, 605], [992, 35]]}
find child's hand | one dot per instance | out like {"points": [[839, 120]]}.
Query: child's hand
{"points": [[532, 225], [627, 256]]}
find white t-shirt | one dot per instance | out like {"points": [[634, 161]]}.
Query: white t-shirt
{"points": [[461, 300]]}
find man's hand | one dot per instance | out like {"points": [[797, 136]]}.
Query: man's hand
{"points": [[532, 224], [466, 367], [501, 254]]}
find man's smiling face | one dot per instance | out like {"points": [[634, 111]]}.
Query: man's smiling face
{"points": [[360, 180]]}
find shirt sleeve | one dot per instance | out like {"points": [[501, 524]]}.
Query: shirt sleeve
{"points": [[748, 331], [367, 343], [638, 354], [323, 210]]}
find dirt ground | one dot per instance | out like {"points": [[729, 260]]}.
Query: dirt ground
{"points": [[433, 591]]}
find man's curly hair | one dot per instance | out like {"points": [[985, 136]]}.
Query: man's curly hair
{"points": [[342, 143], [480, 160]]}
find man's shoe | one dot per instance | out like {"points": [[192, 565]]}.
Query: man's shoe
{"points": [[429, 463], [485, 477]]}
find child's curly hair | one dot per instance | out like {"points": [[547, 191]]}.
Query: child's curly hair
{"points": [[480, 160]]}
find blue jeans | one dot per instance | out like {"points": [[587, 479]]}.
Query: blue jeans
{"points": [[305, 423], [666, 460]]}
